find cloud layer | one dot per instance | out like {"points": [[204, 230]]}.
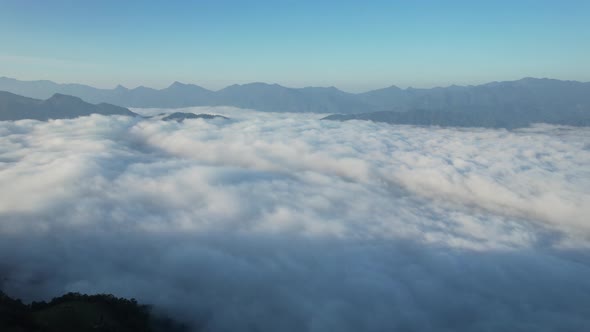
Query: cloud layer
{"points": [[283, 222]]}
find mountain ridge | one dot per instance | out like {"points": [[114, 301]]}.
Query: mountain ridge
{"points": [[59, 106], [506, 119], [530, 93]]}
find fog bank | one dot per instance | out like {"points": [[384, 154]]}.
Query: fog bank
{"points": [[270, 222]]}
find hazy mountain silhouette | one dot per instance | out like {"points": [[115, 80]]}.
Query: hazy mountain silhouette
{"points": [[274, 97], [494, 105], [181, 116], [544, 96], [509, 117], [59, 106], [527, 92]]}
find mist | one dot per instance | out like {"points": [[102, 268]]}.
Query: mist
{"points": [[280, 221]]}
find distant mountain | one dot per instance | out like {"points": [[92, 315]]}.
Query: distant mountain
{"points": [[15, 107], [174, 96], [525, 95], [180, 116], [273, 97], [259, 96], [509, 118]]}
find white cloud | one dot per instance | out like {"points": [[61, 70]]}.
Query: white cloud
{"points": [[285, 222]]}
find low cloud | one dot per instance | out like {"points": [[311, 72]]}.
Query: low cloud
{"points": [[284, 222]]}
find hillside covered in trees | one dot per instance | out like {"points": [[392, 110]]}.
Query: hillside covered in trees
{"points": [[74, 312]]}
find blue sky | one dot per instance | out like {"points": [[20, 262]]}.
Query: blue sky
{"points": [[353, 45]]}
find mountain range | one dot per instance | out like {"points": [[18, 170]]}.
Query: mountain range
{"points": [[58, 106], [529, 94], [508, 118], [181, 116], [14, 107]]}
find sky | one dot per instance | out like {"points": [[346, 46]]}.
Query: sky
{"points": [[353, 45]]}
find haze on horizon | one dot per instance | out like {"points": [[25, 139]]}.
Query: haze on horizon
{"points": [[354, 46]]}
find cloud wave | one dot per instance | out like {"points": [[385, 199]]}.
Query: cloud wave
{"points": [[283, 222]]}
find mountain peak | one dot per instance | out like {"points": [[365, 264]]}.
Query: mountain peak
{"points": [[61, 97], [180, 85], [177, 84]]}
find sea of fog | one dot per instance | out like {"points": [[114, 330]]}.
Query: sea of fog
{"points": [[283, 222]]}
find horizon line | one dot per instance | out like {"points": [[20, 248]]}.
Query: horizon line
{"points": [[118, 86]]}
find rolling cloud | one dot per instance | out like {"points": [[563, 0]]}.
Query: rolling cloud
{"points": [[269, 222]]}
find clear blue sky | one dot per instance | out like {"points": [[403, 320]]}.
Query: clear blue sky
{"points": [[354, 45]]}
